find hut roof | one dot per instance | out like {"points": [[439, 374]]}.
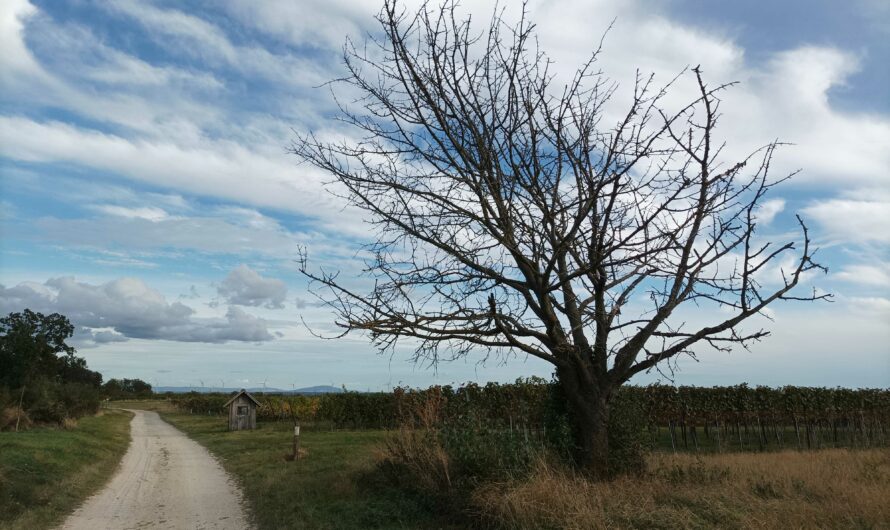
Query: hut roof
{"points": [[242, 393]]}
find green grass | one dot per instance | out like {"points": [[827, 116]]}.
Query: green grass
{"points": [[333, 486], [45, 473]]}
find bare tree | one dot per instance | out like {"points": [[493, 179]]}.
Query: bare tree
{"points": [[513, 214]]}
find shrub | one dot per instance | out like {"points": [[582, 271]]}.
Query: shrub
{"points": [[444, 456], [51, 402]]}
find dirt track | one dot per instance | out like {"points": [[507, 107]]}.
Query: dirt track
{"points": [[165, 480]]}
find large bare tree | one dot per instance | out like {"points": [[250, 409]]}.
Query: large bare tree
{"points": [[515, 213]]}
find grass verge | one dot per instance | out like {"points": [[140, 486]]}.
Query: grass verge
{"points": [[332, 486], [832, 488], [45, 473]]}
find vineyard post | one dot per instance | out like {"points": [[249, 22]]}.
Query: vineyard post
{"points": [[297, 441]]}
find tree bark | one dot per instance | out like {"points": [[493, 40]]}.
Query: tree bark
{"points": [[588, 409]]}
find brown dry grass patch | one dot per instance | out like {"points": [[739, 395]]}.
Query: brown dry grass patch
{"points": [[834, 488]]}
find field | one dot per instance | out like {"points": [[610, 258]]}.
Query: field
{"points": [[46, 472], [335, 485], [830, 488]]}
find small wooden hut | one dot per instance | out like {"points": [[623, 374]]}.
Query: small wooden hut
{"points": [[242, 411]]}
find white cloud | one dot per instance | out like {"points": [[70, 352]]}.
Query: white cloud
{"points": [[852, 221], [877, 275], [244, 286], [148, 213], [196, 37], [768, 210], [128, 308], [318, 23], [190, 30], [13, 14], [872, 305], [146, 230], [220, 169]]}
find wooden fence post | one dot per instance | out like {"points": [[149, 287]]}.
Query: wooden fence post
{"points": [[296, 441]]}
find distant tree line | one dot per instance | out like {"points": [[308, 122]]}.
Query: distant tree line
{"points": [[126, 389], [42, 380]]}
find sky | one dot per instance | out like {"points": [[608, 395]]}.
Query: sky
{"points": [[146, 191]]}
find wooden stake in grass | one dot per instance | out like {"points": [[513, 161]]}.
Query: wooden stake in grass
{"points": [[296, 441]]}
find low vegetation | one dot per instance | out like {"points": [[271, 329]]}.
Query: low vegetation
{"points": [[831, 488], [433, 475], [47, 471], [335, 484]]}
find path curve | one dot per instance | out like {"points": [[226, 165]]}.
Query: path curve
{"points": [[165, 480]]}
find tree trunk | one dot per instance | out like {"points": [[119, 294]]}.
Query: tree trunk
{"points": [[592, 438], [588, 409]]}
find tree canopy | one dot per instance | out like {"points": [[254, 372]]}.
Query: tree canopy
{"points": [[517, 213], [33, 345]]}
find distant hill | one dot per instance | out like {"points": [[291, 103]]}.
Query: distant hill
{"points": [[320, 389]]}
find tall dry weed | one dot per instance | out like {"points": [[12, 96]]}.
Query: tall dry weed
{"points": [[413, 456], [9, 416], [827, 489]]}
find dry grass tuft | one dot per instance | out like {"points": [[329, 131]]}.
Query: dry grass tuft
{"points": [[416, 456], [8, 417], [834, 488]]}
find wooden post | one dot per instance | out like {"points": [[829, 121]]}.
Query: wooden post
{"points": [[18, 414], [296, 441]]}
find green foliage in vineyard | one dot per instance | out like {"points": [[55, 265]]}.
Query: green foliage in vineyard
{"points": [[741, 415]]}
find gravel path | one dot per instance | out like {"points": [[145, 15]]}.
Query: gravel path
{"points": [[165, 480]]}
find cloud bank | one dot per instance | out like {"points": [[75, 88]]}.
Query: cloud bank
{"points": [[127, 308]]}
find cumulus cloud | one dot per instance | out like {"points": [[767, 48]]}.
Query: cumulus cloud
{"points": [[245, 286], [128, 308]]}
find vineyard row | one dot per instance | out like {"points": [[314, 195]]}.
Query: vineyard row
{"points": [[689, 416]]}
